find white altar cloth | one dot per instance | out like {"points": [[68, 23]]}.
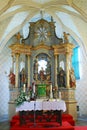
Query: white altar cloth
{"points": [[42, 105]]}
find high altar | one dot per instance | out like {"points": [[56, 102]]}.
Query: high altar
{"points": [[42, 62]]}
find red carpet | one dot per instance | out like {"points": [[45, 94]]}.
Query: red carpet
{"points": [[43, 126], [42, 123], [80, 128], [67, 124], [65, 117]]}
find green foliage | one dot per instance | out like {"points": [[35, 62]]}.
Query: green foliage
{"points": [[21, 98]]}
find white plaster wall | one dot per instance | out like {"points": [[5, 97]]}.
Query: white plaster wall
{"points": [[81, 26], [5, 64], [81, 89]]}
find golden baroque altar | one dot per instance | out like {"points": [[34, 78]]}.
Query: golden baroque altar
{"points": [[41, 63]]}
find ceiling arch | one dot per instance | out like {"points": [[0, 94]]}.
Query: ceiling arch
{"points": [[27, 10]]}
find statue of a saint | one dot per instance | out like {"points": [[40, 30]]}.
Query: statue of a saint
{"points": [[18, 37], [72, 79], [61, 78], [35, 69], [42, 75], [23, 78], [48, 71], [66, 40], [12, 78]]}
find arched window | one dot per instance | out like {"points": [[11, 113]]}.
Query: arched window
{"points": [[75, 62]]}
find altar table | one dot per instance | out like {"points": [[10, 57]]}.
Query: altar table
{"points": [[52, 108], [42, 105]]}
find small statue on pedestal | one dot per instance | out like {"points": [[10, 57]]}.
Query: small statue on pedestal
{"points": [[12, 79], [61, 78], [23, 78], [66, 40], [19, 37], [42, 75], [35, 69], [72, 79]]}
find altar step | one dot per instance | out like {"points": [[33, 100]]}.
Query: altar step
{"points": [[43, 126], [65, 117]]}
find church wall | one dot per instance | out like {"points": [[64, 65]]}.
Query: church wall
{"points": [[5, 64], [81, 89], [81, 30]]}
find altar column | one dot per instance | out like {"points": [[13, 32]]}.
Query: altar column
{"points": [[70, 59], [56, 85], [67, 71], [28, 60], [13, 60], [17, 70]]}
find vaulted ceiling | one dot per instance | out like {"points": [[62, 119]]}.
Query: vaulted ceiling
{"points": [[69, 16]]}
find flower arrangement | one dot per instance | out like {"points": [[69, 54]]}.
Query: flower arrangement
{"points": [[21, 98], [24, 96]]}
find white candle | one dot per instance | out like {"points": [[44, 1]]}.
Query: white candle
{"points": [[51, 88], [59, 95], [34, 87], [24, 89], [51, 94]]}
